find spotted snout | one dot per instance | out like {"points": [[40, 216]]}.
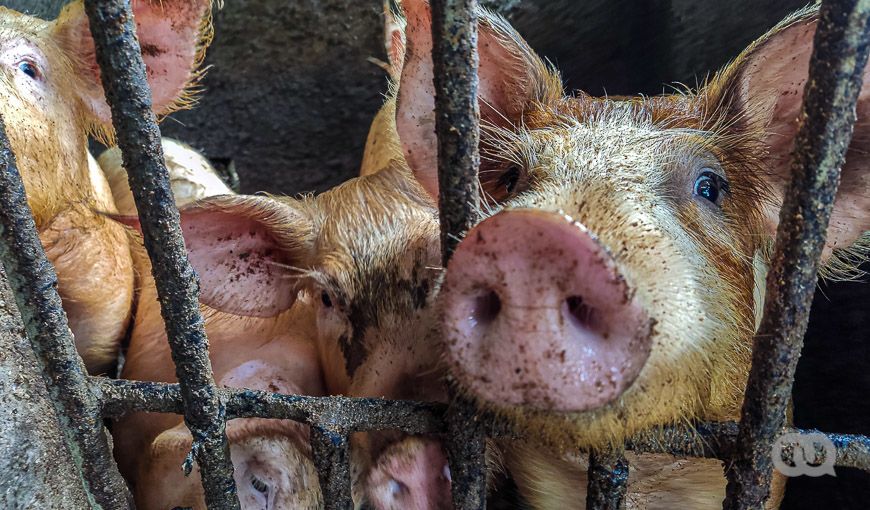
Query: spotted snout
{"points": [[537, 314]]}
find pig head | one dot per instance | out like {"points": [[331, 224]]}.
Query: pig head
{"points": [[51, 99], [614, 282], [340, 285], [610, 287]]}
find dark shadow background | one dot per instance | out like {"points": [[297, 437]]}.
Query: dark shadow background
{"points": [[290, 95]]}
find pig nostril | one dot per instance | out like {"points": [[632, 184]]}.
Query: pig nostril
{"points": [[485, 308], [582, 313]]}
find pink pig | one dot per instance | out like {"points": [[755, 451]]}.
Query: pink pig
{"points": [[52, 99]]}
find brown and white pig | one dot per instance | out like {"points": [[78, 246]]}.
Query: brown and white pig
{"points": [[51, 99], [614, 285], [326, 294]]}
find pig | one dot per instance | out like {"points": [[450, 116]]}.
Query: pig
{"points": [[191, 176], [52, 99], [613, 283], [313, 295]]}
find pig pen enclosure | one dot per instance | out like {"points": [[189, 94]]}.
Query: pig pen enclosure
{"points": [[84, 466]]}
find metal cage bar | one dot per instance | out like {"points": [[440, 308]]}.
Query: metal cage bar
{"points": [[840, 50], [839, 56], [457, 124], [34, 284], [129, 97]]}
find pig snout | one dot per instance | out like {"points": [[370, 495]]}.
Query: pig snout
{"points": [[410, 475], [537, 314]]}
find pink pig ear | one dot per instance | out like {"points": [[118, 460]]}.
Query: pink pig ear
{"points": [[768, 80], [394, 40], [511, 77], [173, 35], [245, 250]]}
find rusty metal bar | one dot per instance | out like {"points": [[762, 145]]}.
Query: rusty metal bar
{"points": [[457, 117], [835, 77], [331, 450], [351, 414], [608, 480], [34, 284], [127, 92], [457, 124]]}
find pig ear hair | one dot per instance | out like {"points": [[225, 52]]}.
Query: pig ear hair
{"points": [[765, 85], [247, 250], [394, 39], [173, 35], [511, 77]]}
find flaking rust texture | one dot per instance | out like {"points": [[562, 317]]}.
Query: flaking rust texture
{"points": [[842, 43], [34, 285], [608, 480], [36, 468]]}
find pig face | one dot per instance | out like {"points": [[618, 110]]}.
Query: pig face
{"points": [[611, 286], [361, 259], [51, 99]]}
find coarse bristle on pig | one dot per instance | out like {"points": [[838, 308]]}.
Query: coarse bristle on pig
{"points": [[52, 100], [672, 202]]}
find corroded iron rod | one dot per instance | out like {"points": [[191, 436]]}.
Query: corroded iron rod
{"points": [[608, 480], [129, 96], [828, 114], [34, 284], [457, 124], [331, 451]]}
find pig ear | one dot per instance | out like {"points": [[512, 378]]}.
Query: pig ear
{"points": [[173, 35], [394, 40], [511, 78], [768, 82], [246, 251]]}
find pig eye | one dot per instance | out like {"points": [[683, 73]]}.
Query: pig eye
{"points": [[30, 69], [711, 186], [500, 181], [509, 179], [325, 299]]}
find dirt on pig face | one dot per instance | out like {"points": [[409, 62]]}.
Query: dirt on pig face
{"points": [[625, 170]]}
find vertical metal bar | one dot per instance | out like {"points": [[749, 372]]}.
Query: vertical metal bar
{"points": [[34, 284], [331, 451], [608, 480], [123, 76], [457, 119], [835, 78]]}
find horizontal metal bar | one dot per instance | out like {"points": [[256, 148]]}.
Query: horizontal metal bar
{"points": [[840, 51], [129, 96], [607, 481], [34, 284], [120, 397], [708, 440]]}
